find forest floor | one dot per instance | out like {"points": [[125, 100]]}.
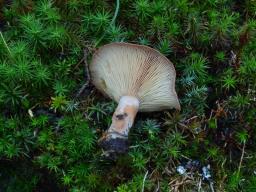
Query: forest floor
{"points": [[51, 116]]}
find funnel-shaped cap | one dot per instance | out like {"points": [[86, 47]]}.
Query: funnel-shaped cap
{"points": [[124, 69]]}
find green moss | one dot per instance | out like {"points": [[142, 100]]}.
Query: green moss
{"points": [[48, 137]]}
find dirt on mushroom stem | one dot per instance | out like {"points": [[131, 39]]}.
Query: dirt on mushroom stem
{"points": [[116, 137]]}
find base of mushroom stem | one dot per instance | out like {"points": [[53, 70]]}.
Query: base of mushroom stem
{"points": [[114, 144]]}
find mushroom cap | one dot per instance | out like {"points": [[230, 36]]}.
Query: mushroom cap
{"points": [[125, 69]]}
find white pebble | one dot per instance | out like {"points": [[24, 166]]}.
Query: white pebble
{"points": [[181, 170]]}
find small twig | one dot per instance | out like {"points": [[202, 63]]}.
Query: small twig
{"points": [[171, 182], [186, 157], [112, 22], [211, 186], [241, 159], [158, 186], [86, 65], [144, 179], [2, 37], [116, 13], [183, 181], [81, 61], [190, 119], [230, 154], [87, 74], [58, 126], [167, 171], [199, 185]]}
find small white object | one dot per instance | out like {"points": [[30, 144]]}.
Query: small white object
{"points": [[206, 172], [30, 112], [181, 170]]}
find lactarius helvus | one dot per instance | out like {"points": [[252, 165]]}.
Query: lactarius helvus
{"points": [[138, 78]]}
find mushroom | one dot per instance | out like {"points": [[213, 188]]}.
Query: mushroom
{"points": [[138, 78]]}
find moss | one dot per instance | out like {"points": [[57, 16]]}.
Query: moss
{"points": [[48, 136]]}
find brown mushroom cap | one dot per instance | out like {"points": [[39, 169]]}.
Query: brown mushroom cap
{"points": [[124, 69]]}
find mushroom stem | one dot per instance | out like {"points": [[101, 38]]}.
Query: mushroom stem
{"points": [[116, 136], [123, 117]]}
